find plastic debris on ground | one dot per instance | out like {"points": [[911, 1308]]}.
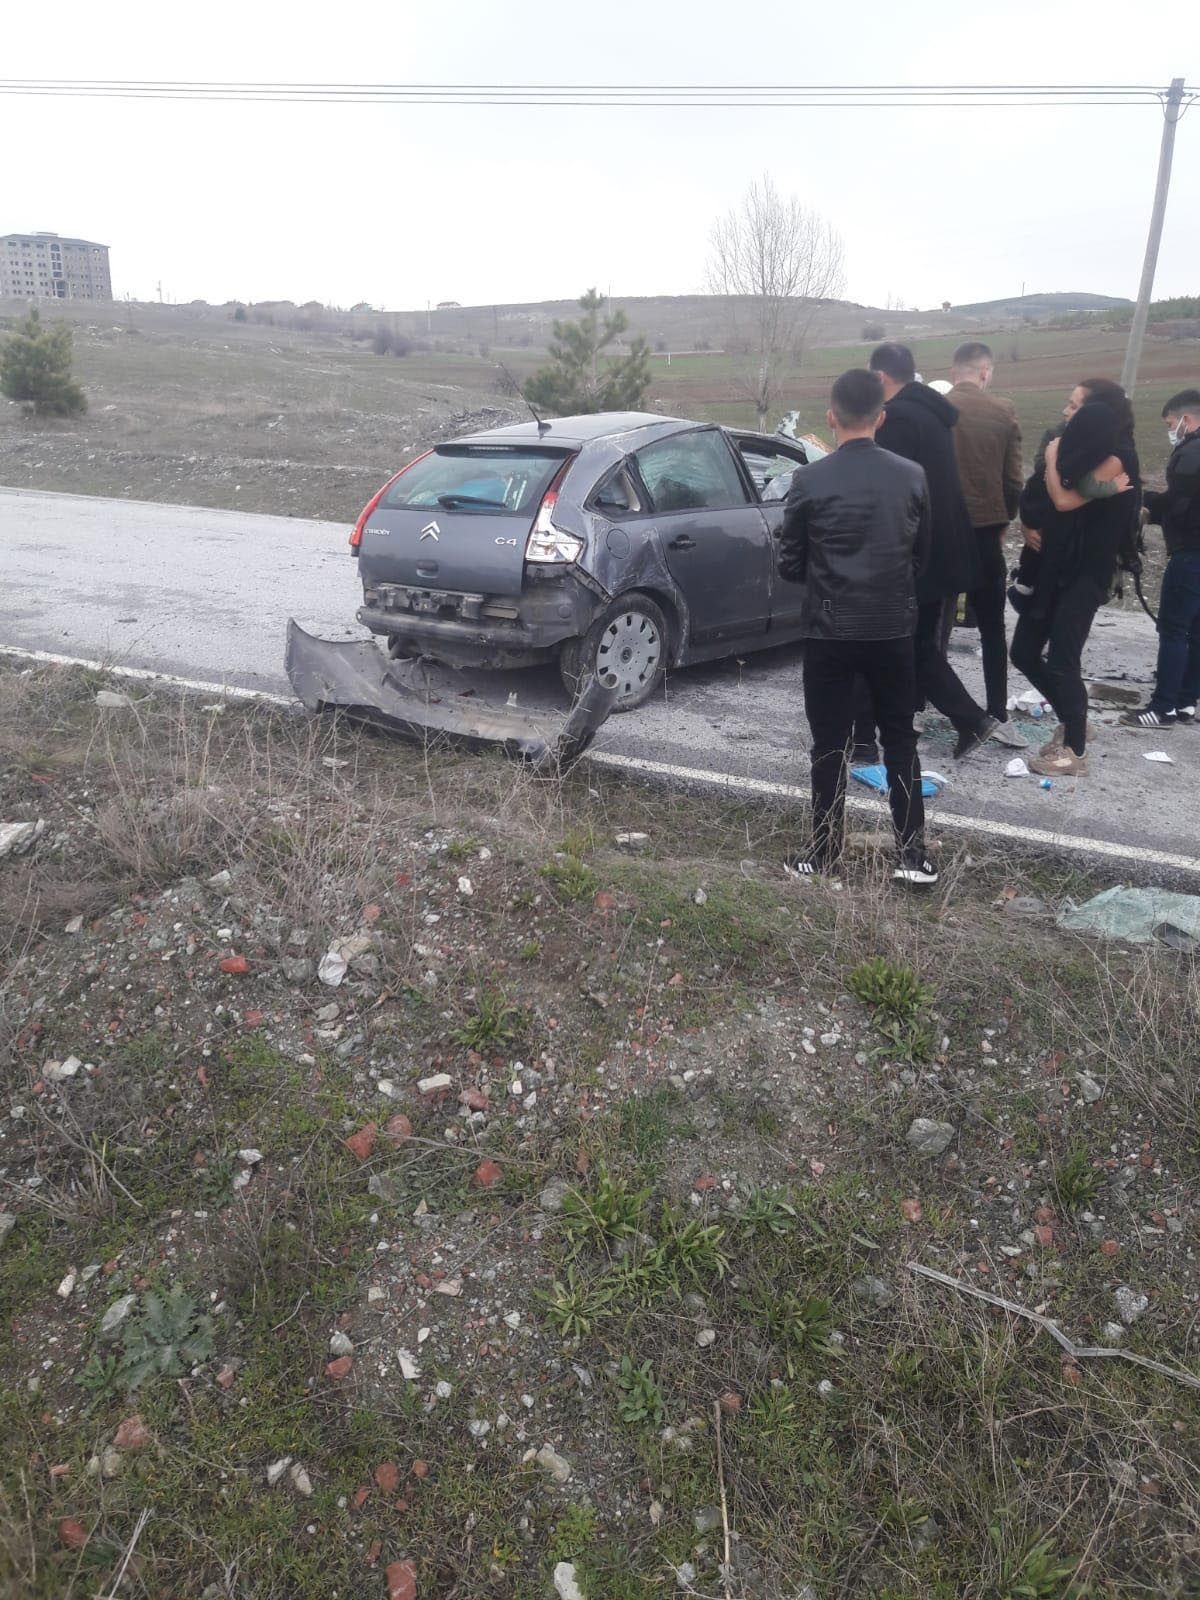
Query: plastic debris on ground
{"points": [[1158, 755], [1017, 768], [875, 777], [1030, 702], [1140, 916]]}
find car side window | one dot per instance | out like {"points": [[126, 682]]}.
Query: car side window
{"points": [[615, 495], [691, 472], [770, 471]]}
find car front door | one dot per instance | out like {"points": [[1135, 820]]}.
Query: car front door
{"points": [[770, 463], [715, 537]]}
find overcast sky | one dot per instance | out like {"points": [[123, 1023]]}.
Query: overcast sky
{"points": [[400, 205]]}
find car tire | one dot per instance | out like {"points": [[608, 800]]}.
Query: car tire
{"points": [[630, 640]]}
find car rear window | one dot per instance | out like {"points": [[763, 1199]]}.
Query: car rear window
{"points": [[484, 481]]}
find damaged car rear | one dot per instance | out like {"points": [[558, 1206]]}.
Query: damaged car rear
{"points": [[614, 545]]}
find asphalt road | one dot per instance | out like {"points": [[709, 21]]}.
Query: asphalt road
{"points": [[206, 595]]}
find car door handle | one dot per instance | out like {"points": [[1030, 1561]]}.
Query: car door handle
{"points": [[682, 543]]}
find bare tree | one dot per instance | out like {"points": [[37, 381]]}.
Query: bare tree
{"points": [[777, 262]]}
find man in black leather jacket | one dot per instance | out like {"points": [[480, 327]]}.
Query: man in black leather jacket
{"points": [[857, 533]]}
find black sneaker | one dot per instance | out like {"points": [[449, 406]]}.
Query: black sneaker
{"points": [[970, 743], [1185, 713], [1149, 718], [805, 866], [915, 867], [864, 755]]}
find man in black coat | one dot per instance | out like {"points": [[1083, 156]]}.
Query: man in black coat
{"points": [[856, 534], [917, 423]]}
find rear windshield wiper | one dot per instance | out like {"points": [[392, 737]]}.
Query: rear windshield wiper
{"points": [[452, 502]]}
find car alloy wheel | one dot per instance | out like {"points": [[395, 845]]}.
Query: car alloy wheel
{"points": [[630, 647]]}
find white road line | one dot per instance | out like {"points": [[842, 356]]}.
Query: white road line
{"points": [[980, 826], [145, 675], [976, 825]]}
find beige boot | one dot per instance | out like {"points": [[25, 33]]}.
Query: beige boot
{"points": [[1055, 742]]}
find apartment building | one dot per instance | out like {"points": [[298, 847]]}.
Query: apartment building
{"points": [[42, 266]]}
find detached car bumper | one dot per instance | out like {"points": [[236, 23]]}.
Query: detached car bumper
{"points": [[422, 700], [476, 630]]}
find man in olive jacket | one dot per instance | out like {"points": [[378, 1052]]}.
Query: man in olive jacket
{"points": [[987, 444], [856, 533]]}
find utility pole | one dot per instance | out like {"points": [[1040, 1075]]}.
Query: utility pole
{"points": [[1133, 351]]}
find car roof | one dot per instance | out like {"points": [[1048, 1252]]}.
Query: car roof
{"points": [[633, 428]]}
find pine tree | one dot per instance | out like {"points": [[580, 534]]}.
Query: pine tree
{"points": [[578, 381], [35, 369]]}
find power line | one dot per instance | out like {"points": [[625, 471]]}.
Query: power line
{"points": [[619, 96]]}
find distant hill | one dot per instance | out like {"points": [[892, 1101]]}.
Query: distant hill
{"points": [[1042, 305]]}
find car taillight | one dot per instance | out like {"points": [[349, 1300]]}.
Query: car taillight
{"points": [[546, 542], [365, 514]]}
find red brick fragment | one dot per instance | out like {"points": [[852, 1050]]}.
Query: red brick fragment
{"points": [[72, 1533], [488, 1173], [362, 1143], [341, 1367], [401, 1580], [133, 1434], [397, 1129], [387, 1476]]}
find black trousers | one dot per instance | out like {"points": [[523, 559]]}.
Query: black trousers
{"points": [[1048, 649], [937, 681], [832, 668], [987, 602]]}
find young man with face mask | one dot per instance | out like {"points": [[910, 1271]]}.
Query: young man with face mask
{"points": [[1176, 510]]}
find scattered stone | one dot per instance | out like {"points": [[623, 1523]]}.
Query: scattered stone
{"points": [[387, 1476], [705, 1183], [132, 1434], [397, 1129], [110, 1462], [17, 837], [911, 1210], [449, 1286], [437, 1083], [226, 1378], [929, 1138], [685, 1576], [700, 898], [872, 1291], [554, 1194], [362, 1143], [113, 700], [479, 1428], [7, 1223], [276, 1470], [551, 1462], [67, 1287], [1130, 1304], [442, 1389], [56, 1071], [74, 926], [1089, 1090], [706, 1519], [341, 1368], [116, 1315], [1114, 1332], [706, 1337], [250, 1156], [420, 1469], [341, 1344], [301, 1481], [1025, 905], [297, 969], [409, 1370], [221, 880], [566, 1586], [632, 841], [466, 888], [826, 1390], [329, 1013], [236, 966], [401, 1580], [730, 1402]]}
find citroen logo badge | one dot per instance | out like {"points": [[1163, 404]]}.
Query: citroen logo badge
{"points": [[431, 531]]}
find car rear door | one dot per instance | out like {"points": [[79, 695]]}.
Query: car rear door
{"points": [[715, 538], [770, 463], [458, 519]]}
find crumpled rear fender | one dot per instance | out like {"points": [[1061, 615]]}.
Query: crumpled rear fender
{"points": [[422, 700]]}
